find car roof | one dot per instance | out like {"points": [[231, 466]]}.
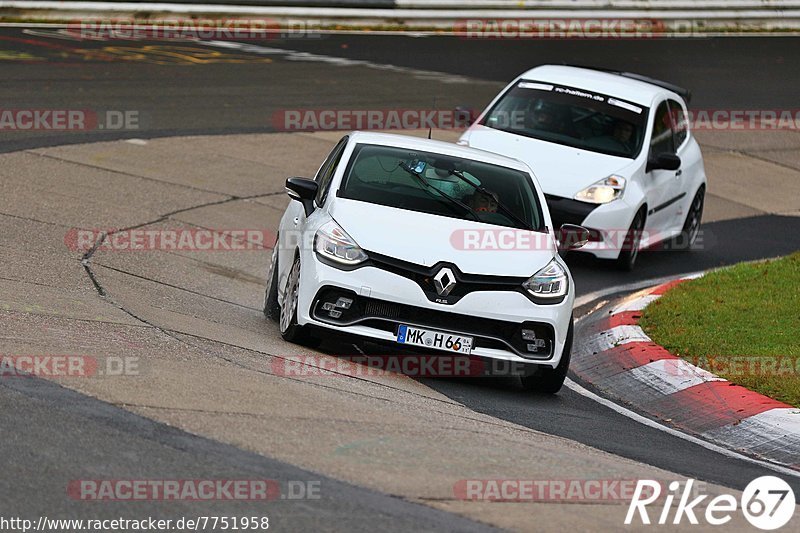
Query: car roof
{"points": [[439, 147], [607, 83]]}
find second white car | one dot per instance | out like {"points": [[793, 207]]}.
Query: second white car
{"points": [[613, 152]]}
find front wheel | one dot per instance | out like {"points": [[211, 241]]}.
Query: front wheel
{"points": [[291, 331], [550, 380], [272, 309], [630, 247]]}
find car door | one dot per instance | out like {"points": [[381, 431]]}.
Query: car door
{"points": [[660, 184], [689, 163], [293, 224]]}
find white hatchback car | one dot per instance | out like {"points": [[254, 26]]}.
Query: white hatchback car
{"points": [[373, 247], [612, 151]]}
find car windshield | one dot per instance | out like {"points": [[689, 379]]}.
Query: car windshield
{"points": [[572, 117], [442, 185]]}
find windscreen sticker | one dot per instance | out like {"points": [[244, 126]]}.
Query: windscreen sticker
{"points": [[532, 85], [582, 94], [625, 105]]}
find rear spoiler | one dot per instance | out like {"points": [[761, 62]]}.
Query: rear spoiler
{"points": [[686, 94]]}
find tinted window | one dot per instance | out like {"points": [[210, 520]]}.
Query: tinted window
{"points": [[375, 175], [661, 141], [327, 171], [569, 116]]}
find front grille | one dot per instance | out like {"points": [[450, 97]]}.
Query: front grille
{"points": [[387, 316], [465, 283]]}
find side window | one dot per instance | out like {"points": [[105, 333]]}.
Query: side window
{"points": [[679, 123], [327, 170], [661, 141]]}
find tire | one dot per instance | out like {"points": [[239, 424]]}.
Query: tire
{"points": [[550, 380], [291, 331], [272, 308], [630, 247], [691, 226]]}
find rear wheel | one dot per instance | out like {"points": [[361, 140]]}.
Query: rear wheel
{"points": [[550, 380], [691, 227], [630, 247]]}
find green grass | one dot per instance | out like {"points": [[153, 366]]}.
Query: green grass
{"points": [[742, 323]]}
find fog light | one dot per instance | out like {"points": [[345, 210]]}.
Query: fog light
{"points": [[536, 345], [344, 303], [327, 306], [335, 314], [528, 335]]}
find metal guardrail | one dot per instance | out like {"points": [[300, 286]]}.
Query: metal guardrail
{"points": [[682, 16], [527, 5]]}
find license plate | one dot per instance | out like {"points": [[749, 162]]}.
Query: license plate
{"points": [[434, 339]]}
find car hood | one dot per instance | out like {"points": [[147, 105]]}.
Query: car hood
{"points": [[560, 170], [423, 239]]}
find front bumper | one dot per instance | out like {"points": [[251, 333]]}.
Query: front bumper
{"points": [[607, 223], [384, 300]]}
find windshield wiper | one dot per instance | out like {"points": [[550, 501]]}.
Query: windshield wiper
{"points": [[405, 166], [483, 190]]}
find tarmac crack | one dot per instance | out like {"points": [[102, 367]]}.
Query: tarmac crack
{"points": [[165, 284], [87, 257], [121, 172]]}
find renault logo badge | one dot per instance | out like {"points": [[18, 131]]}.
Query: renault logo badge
{"points": [[444, 281]]}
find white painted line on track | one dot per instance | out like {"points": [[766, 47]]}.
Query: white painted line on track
{"points": [[669, 376], [637, 304], [296, 55], [636, 417], [588, 298]]}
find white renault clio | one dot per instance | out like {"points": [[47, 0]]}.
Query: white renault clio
{"points": [[612, 151], [375, 247]]}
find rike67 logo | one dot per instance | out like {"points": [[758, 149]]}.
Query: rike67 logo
{"points": [[767, 502]]}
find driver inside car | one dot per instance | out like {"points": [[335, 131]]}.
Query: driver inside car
{"points": [[483, 203]]}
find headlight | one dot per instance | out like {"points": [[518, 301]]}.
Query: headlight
{"points": [[603, 191], [549, 285], [332, 242]]}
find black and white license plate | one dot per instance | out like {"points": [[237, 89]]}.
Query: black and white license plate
{"points": [[434, 339]]}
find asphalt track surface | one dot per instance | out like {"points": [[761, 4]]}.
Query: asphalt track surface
{"points": [[239, 92]]}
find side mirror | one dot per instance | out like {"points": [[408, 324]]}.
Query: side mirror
{"points": [[304, 191], [572, 237], [464, 116], [664, 161]]}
